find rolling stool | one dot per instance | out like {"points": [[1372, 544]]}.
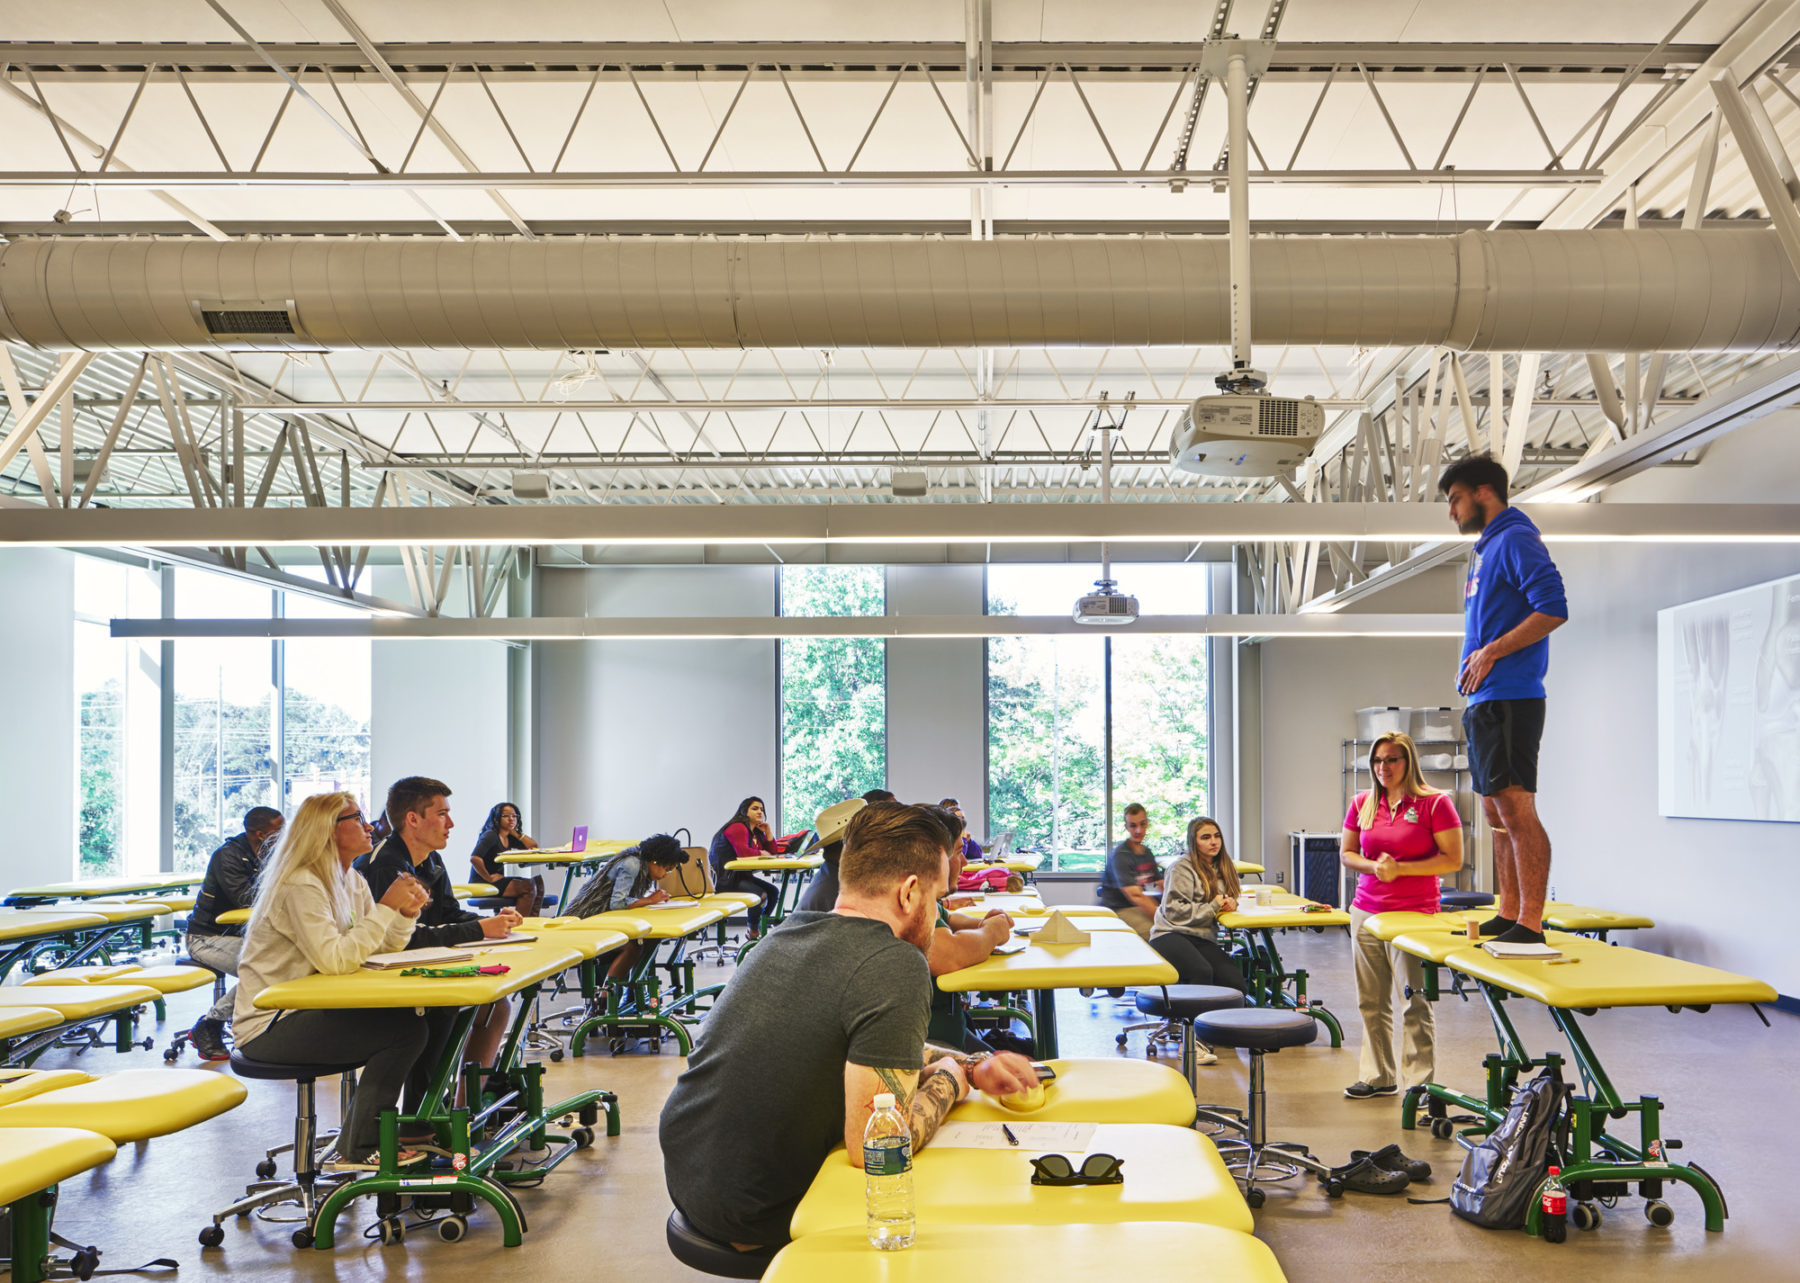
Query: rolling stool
{"points": [[696, 1251], [1259, 1030], [1465, 899], [263, 1193], [1178, 1005]]}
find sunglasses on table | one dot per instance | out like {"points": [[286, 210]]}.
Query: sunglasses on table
{"points": [[1096, 1169]]}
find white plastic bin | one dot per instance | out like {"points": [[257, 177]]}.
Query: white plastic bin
{"points": [[1371, 722], [1428, 724]]}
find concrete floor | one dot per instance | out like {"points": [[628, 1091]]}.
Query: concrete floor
{"points": [[1726, 1081]]}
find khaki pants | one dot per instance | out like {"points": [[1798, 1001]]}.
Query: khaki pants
{"points": [[1138, 920], [1380, 969]]}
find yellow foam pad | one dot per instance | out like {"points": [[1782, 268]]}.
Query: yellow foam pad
{"points": [[1028, 1101], [78, 1002], [35, 1158], [83, 975], [1098, 1091], [16, 1022], [131, 1105], [22, 1084], [1027, 1252], [739, 899], [171, 978], [1584, 917], [1612, 976]]}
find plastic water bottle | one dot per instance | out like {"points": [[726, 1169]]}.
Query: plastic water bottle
{"points": [[1553, 1219], [887, 1176]]}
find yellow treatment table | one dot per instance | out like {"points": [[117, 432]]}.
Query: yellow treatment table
{"points": [[34, 1161], [131, 1105], [474, 1171], [641, 1003], [17, 1024], [473, 890], [1591, 976], [234, 917], [80, 1005], [586, 860], [1246, 869], [1110, 959], [1164, 1249], [88, 887], [1171, 1174], [1271, 983], [28, 933], [1096, 1091], [794, 871]]}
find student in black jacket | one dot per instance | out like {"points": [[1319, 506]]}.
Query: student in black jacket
{"points": [[230, 884], [418, 811]]}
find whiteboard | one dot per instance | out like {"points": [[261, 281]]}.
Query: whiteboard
{"points": [[1728, 705]]}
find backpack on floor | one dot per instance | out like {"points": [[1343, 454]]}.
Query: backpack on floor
{"points": [[1502, 1174]]}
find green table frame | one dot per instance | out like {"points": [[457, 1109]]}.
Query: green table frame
{"points": [[1271, 981]]}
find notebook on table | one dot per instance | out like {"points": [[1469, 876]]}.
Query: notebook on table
{"points": [[437, 956]]}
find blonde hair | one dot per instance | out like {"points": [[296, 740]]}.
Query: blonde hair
{"points": [[1222, 877], [308, 849], [1413, 785]]}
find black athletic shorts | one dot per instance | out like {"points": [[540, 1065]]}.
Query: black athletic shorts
{"points": [[1503, 739]]}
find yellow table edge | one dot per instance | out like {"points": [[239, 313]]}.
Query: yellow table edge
{"points": [[775, 863], [35, 1158], [1557, 985], [385, 989]]}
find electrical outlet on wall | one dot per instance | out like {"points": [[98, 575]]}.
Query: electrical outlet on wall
{"points": [[1280, 877]]}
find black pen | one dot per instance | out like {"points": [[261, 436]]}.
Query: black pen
{"points": [[1010, 1138]]}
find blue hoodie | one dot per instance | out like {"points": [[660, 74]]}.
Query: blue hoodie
{"points": [[1511, 577]]}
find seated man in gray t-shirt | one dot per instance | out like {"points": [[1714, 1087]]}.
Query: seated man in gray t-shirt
{"points": [[778, 1080]]}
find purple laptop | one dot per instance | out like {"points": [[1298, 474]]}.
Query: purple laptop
{"points": [[579, 841]]}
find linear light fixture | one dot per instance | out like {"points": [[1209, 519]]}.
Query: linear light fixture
{"points": [[765, 628]]}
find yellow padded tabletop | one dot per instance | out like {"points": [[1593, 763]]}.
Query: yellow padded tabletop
{"points": [[776, 863], [473, 890], [1160, 1249], [589, 944], [594, 853], [97, 975], [1108, 960], [1097, 1091], [131, 1105], [1016, 902], [627, 925], [23, 924], [23, 1084], [1584, 917], [176, 903], [78, 1002], [1434, 944], [35, 1158], [170, 978], [1246, 867], [1105, 921], [1171, 1174], [681, 918], [16, 1022], [532, 964], [233, 917], [114, 886], [1612, 976], [116, 911], [1385, 926], [1281, 914], [732, 901]]}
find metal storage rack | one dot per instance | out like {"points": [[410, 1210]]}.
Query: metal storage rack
{"points": [[1455, 780]]}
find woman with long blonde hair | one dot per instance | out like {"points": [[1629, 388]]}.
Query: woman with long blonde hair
{"points": [[1400, 835], [1197, 888], [314, 914]]}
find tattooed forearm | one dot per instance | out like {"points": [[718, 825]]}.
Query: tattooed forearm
{"points": [[892, 1080], [935, 1052], [936, 1096]]}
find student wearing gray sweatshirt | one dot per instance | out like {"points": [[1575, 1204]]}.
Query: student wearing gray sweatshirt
{"points": [[1197, 888]]}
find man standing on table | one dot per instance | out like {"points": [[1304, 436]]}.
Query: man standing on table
{"points": [[775, 1083], [1512, 601]]}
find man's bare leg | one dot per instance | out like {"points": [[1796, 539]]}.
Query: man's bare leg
{"points": [[1506, 874], [1529, 847]]}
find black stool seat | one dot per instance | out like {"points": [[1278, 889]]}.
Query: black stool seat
{"points": [[244, 1067], [1465, 899], [709, 1256], [1184, 1002], [1258, 1028]]}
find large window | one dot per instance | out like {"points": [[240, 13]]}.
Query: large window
{"points": [[1049, 714], [833, 694], [253, 723]]}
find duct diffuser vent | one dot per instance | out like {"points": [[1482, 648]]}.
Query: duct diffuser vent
{"points": [[238, 321], [253, 324]]}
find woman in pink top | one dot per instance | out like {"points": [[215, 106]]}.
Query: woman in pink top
{"points": [[1400, 835]]}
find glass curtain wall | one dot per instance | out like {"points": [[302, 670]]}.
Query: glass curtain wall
{"points": [[833, 693], [117, 720], [1056, 703]]}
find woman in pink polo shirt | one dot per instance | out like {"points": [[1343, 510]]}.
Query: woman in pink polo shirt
{"points": [[1400, 835]]}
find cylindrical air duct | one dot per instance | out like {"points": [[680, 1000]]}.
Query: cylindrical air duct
{"points": [[1509, 291]]}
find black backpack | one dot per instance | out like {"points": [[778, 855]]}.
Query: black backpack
{"points": [[1503, 1173]]}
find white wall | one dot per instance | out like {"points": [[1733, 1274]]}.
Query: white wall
{"points": [[936, 696], [37, 754], [636, 737], [440, 708], [1598, 791], [1310, 691]]}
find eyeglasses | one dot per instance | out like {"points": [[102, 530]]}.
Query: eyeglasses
{"points": [[1096, 1169], [354, 815], [1389, 761]]}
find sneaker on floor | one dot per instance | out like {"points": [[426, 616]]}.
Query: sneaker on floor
{"points": [[1365, 1177], [1363, 1091], [372, 1162], [207, 1038], [1204, 1055]]}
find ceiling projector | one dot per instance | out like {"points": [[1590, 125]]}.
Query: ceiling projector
{"points": [[1106, 608], [1245, 434]]}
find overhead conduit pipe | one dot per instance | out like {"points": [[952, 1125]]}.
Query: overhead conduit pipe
{"points": [[1509, 291]]}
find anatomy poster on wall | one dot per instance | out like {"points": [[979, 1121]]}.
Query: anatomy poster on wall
{"points": [[1728, 705]]}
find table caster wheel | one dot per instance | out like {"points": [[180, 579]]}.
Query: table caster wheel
{"points": [[1334, 1188], [172, 1055], [265, 1170], [1254, 1197], [556, 1056], [1443, 1128], [1585, 1216], [392, 1230], [1659, 1213], [1123, 1039], [583, 1137], [453, 1229], [303, 1237], [212, 1236]]}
